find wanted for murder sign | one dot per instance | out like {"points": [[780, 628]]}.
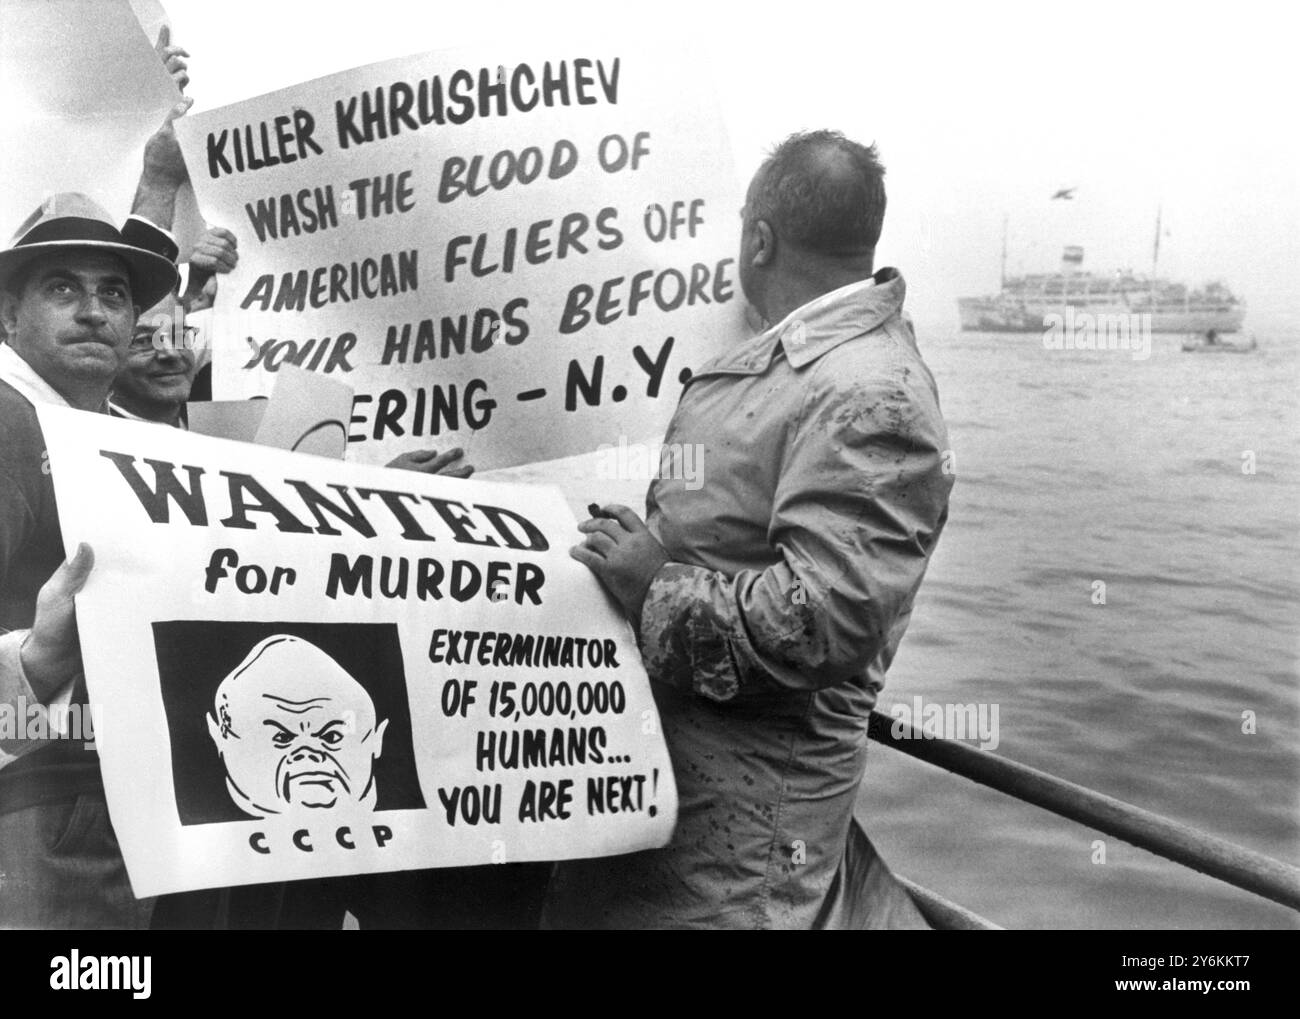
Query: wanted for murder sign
{"points": [[513, 252], [307, 668]]}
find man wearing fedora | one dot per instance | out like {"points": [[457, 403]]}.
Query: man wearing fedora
{"points": [[71, 287]]}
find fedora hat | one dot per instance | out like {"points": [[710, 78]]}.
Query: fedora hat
{"points": [[69, 221]]}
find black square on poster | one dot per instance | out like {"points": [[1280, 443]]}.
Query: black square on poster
{"points": [[195, 656]]}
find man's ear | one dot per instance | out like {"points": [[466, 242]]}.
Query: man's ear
{"points": [[379, 738], [762, 244], [214, 730], [8, 312]]}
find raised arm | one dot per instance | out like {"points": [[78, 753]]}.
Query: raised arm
{"points": [[162, 174]]}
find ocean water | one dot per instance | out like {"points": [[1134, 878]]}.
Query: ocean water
{"points": [[1075, 467]]}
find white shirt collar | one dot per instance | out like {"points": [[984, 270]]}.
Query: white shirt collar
{"points": [[118, 410], [818, 304], [23, 377]]}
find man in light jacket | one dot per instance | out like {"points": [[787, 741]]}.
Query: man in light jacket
{"points": [[771, 600]]}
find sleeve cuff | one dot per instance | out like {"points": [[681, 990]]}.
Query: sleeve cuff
{"points": [[17, 701], [683, 639]]}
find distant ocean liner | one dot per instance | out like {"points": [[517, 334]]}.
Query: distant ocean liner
{"points": [[1025, 300]]}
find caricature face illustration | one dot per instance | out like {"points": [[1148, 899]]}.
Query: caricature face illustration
{"points": [[295, 730]]}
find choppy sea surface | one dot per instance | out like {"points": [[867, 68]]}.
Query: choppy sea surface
{"points": [[1173, 480]]}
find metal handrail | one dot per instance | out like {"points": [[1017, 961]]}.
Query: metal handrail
{"points": [[944, 914], [1219, 858]]}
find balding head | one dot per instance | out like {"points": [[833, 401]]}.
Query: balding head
{"points": [[294, 729], [812, 219]]}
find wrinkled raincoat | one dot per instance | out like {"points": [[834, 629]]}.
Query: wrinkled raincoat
{"points": [[824, 484]]}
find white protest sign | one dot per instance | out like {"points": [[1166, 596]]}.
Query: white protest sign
{"points": [[304, 667], [227, 419], [520, 253], [308, 413], [83, 89]]}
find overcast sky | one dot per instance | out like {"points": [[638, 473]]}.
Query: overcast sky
{"points": [[979, 110]]}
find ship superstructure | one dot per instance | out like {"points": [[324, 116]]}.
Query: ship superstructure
{"points": [[1025, 301]]}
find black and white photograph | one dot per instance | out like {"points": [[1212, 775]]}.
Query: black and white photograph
{"points": [[569, 467]]}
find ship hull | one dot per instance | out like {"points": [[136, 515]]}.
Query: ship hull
{"points": [[994, 316], [1200, 345]]}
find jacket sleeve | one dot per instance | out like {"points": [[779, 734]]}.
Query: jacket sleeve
{"points": [[17, 699], [861, 499]]}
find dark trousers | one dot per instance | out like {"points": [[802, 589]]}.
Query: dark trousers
{"points": [[61, 869], [494, 897]]}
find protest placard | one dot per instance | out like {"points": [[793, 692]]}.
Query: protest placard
{"points": [[523, 254], [83, 89], [308, 413], [303, 667]]}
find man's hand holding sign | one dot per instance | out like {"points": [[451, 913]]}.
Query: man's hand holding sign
{"points": [[623, 553], [50, 655]]}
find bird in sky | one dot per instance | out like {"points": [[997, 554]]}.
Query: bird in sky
{"points": [[1066, 193]]}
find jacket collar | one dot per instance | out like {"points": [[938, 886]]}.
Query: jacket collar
{"points": [[822, 324]]}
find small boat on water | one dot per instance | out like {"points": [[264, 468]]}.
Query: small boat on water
{"points": [[1213, 342]]}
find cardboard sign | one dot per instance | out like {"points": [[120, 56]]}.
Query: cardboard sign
{"points": [[227, 419], [308, 413], [327, 668], [83, 90], [520, 253]]}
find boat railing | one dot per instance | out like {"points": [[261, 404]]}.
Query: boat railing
{"points": [[1213, 856]]}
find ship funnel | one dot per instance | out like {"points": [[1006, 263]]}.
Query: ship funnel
{"points": [[1072, 259]]}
